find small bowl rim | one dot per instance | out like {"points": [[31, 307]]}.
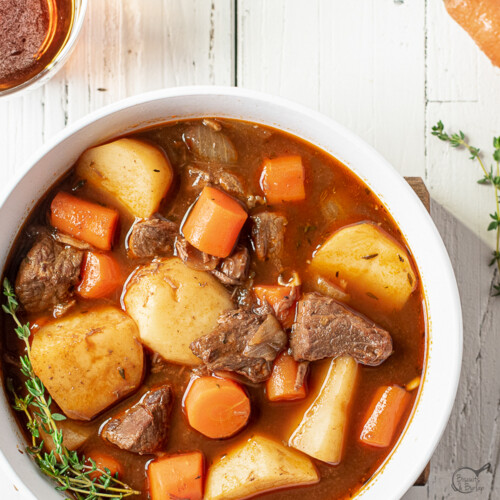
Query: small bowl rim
{"points": [[59, 60]]}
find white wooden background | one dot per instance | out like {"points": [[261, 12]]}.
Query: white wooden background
{"points": [[387, 69]]}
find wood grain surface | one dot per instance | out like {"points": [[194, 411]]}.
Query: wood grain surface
{"points": [[386, 69]]}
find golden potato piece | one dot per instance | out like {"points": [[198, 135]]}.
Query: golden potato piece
{"points": [[88, 361], [321, 432], [369, 262], [259, 465], [74, 433], [136, 173], [173, 305]]}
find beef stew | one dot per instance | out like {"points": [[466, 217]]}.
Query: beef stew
{"points": [[168, 264]]}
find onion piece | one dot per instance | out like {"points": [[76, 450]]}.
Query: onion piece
{"points": [[209, 145], [328, 205], [333, 291]]}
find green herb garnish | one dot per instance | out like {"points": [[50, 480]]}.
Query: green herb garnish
{"points": [[490, 177], [68, 469]]}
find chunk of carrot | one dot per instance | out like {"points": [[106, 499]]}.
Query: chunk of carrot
{"points": [[281, 385], [275, 295], [216, 407], [176, 476], [101, 276], [384, 414], [104, 461], [84, 220], [282, 179], [215, 222]]}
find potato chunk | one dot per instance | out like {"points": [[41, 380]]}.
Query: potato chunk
{"points": [[88, 361], [321, 432], [173, 305], [74, 433], [136, 173], [369, 262], [258, 465]]}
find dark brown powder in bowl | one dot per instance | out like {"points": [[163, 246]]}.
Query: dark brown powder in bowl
{"points": [[23, 26]]}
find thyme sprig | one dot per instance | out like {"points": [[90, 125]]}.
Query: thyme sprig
{"points": [[71, 471], [490, 177]]}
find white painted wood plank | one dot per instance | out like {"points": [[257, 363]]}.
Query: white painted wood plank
{"points": [[363, 66], [452, 60]]}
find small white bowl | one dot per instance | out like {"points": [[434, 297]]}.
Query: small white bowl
{"points": [[80, 9], [444, 333]]}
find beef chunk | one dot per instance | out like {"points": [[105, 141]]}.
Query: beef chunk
{"points": [[47, 274], [243, 342], [326, 329], [194, 258], [143, 427], [268, 234], [215, 175], [233, 270], [152, 237]]}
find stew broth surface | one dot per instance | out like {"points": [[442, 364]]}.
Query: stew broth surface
{"points": [[310, 222]]}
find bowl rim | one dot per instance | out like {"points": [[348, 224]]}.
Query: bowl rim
{"points": [[450, 379]]}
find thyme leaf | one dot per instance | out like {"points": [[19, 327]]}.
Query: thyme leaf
{"points": [[70, 471], [490, 177]]}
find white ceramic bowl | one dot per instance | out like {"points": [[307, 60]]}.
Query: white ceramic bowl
{"points": [[444, 345]]}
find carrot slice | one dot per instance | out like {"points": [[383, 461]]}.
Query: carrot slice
{"points": [[281, 384], [84, 220], [215, 222], [275, 295], [216, 407], [385, 412], [176, 476], [104, 461], [282, 179], [101, 276]]}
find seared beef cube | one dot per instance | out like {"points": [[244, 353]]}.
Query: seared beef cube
{"points": [[268, 234], [48, 274], [217, 176], [194, 258], [152, 237], [326, 329], [243, 342], [234, 269], [143, 427]]}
